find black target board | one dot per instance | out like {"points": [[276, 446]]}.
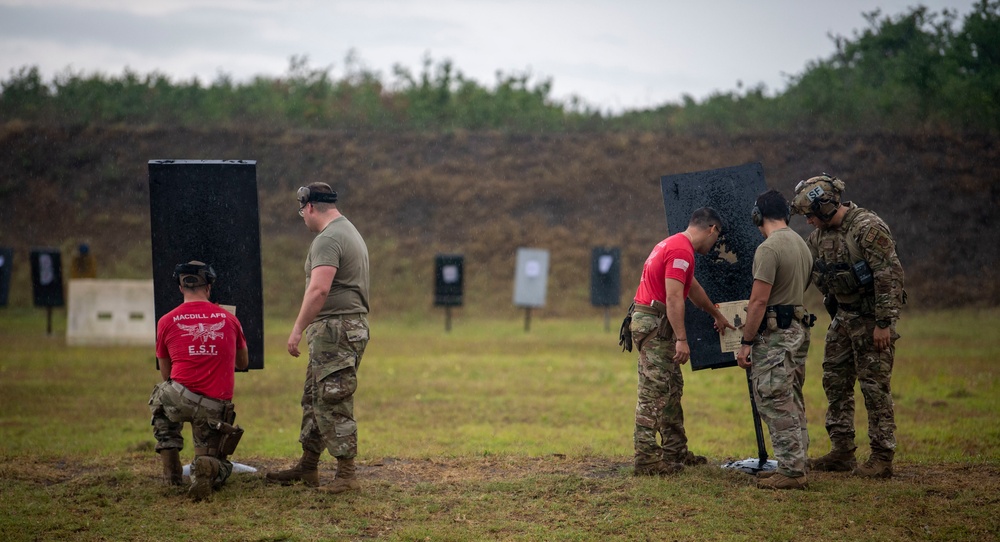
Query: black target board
{"points": [[605, 277], [448, 279], [46, 277], [726, 272], [6, 267], [207, 210]]}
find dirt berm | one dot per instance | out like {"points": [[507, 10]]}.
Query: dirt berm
{"points": [[485, 194]]}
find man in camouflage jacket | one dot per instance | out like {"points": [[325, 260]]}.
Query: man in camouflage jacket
{"points": [[857, 270]]}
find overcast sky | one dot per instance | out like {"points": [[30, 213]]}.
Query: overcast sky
{"points": [[615, 55]]}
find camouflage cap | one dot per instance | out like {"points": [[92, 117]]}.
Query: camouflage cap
{"points": [[819, 195]]}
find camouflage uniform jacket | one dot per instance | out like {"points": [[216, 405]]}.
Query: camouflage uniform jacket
{"points": [[861, 236]]}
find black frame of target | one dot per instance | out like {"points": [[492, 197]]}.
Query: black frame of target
{"points": [[448, 294], [6, 270], [47, 294], [605, 288]]}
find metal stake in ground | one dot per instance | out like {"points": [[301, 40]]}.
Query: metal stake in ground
{"points": [[761, 463]]}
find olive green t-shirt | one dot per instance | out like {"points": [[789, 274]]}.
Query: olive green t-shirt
{"points": [[784, 261], [341, 246]]}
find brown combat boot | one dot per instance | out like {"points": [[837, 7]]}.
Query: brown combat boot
{"points": [[840, 459], [688, 459], [879, 465], [345, 479], [692, 460], [780, 481], [203, 474], [306, 470], [173, 474], [657, 468]]}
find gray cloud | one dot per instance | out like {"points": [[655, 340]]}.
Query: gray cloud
{"points": [[631, 53]]}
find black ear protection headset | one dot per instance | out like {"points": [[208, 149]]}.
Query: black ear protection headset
{"points": [[196, 268], [758, 219], [304, 195]]}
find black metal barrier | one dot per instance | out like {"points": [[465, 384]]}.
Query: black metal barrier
{"points": [[207, 210], [726, 272]]}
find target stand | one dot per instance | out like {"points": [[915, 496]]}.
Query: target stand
{"points": [[761, 462]]}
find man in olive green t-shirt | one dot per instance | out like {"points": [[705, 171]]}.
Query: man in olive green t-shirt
{"points": [[775, 353], [334, 319]]}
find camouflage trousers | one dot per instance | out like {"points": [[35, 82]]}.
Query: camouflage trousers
{"points": [[336, 346], [850, 357], [170, 410], [777, 375], [661, 385]]}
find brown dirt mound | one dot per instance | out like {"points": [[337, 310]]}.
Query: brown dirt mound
{"points": [[486, 194]]}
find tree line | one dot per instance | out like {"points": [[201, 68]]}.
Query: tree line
{"points": [[916, 71]]}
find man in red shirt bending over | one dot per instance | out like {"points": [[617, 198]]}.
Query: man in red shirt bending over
{"points": [[199, 345], [659, 334]]}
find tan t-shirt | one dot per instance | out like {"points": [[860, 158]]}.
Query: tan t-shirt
{"points": [[784, 261], [341, 246]]}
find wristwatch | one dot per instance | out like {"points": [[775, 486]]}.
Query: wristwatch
{"points": [[882, 323], [745, 342]]}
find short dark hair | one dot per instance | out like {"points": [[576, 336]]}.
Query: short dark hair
{"points": [[773, 205], [705, 217]]}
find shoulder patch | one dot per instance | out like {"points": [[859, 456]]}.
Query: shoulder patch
{"points": [[882, 242], [878, 240]]}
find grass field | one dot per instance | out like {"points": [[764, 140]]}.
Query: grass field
{"points": [[488, 432]]}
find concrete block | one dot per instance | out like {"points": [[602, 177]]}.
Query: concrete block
{"points": [[113, 312]]}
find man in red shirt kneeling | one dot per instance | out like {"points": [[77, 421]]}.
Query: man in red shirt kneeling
{"points": [[199, 345]]}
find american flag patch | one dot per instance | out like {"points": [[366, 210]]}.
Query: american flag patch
{"points": [[681, 264]]}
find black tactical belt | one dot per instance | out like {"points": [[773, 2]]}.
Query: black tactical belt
{"points": [[774, 308]]}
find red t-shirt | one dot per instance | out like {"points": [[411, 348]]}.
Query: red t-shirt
{"points": [[672, 258], [201, 340]]}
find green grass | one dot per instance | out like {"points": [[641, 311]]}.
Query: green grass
{"points": [[489, 432]]}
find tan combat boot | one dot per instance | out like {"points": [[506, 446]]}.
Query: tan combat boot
{"points": [[345, 479], [203, 474], [840, 459], [306, 470], [879, 465], [173, 474], [657, 468], [780, 481]]}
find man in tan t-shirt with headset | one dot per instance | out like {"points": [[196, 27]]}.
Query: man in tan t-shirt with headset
{"points": [[776, 339]]}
